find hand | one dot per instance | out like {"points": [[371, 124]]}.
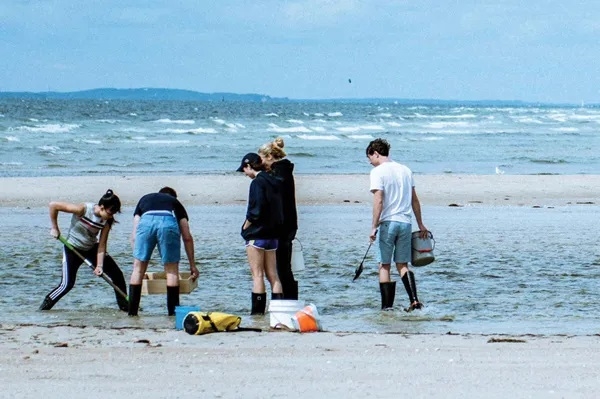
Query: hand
{"points": [[373, 235], [194, 272], [55, 232], [99, 270], [423, 232]]}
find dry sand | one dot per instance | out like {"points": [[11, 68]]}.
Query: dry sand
{"points": [[521, 190], [73, 362]]}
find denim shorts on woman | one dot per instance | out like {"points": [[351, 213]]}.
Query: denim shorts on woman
{"points": [[267, 245], [394, 242], [161, 230]]}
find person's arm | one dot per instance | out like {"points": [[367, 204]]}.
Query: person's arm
{"points": [[416, 207], [188, 244], [55, 207], [101, 250], [377, 209], [255, 200]]}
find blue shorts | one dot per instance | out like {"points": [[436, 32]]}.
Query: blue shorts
{"points": [[394, 240], [161, 230], [267, 245]]}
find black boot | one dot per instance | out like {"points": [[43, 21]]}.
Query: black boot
{"points": [[388, 293], [259, 303], [172, 299], [135, 293], [122, 303], [411, 289], [277, 296], [47, 304]]}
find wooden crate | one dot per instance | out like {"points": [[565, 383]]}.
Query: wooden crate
{"points": [[156, 283]]}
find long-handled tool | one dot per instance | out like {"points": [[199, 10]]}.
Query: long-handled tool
{"points": [[91, 265], [359, 269]]}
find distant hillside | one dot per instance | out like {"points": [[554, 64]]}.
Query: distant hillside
{"points": [[140, 94], [189, 95]]}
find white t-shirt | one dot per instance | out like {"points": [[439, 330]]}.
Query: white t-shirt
{"points": [[396, 182]]}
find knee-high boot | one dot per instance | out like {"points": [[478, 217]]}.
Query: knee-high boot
{"points": [[388, 293], [259, 303], [277, 296], [172, 299], [135, 293], [411, 289]]}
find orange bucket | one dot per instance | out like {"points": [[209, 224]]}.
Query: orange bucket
{"points": [[307, 319]]}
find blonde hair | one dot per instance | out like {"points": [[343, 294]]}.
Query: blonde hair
{"points": [[274, 149]]}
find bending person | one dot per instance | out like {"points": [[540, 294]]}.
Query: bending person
{"points": [[88, 220], [273, 156], [160, 220], [261, 230]]}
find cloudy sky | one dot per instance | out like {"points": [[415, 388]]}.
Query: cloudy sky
{"points": [[535, 50]]}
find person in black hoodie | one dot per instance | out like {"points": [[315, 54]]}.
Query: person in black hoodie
{"points": [[272, 155], [261, 229]]}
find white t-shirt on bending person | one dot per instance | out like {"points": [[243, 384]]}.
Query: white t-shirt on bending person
{"points": [[396, 182]]}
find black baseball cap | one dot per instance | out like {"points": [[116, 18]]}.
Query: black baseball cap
{"points": [[250, 157]]}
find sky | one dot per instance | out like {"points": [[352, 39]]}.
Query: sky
{"points": [[539, 51]]}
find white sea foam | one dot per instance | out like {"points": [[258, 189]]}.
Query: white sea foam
{"points": [[218, 121], [385, 115], [139, 138], [177, 121], [272, 114], [92, 141], [565, 129], [318, 137], [133, 130], [395, 124], [49, 128], [337, 113], [446, 125], [319, 114], [298, 121], [133, 114], [199, 130], [296, 129], [34, 120], [12, 138], [11, 163], [109, 121], [361, 137], [318, 129]]}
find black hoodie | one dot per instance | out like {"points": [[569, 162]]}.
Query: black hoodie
{"points": [[283, 171], [264, 208]]}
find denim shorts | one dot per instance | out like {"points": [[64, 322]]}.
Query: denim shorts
{"points": [[267, 245], [394, 240], [161, 231]]}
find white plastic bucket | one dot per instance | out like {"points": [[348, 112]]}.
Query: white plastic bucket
{"points": [[281, 312], [422, 249], [297, 256]]}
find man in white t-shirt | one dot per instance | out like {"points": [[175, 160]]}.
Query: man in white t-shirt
{"points": [[394, 202]]}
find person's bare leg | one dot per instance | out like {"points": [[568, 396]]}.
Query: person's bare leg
{"points": [[271, 272]]}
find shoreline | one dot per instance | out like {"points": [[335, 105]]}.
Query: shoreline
{"points": [[322, 189]]}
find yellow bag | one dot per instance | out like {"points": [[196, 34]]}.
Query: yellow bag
{"points": [[197, 323]]}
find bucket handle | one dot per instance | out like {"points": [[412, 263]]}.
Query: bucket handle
{"points": [[299, 242], [432, 239]]}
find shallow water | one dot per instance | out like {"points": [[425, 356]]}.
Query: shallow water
{"points": [[511, 270]]}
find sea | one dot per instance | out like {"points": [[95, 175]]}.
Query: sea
{"points": [[499, 269]]}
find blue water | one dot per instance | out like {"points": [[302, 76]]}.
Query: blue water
{"points": [[83, 137], [512, 270]]}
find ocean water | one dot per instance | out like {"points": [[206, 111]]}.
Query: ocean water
{"points": [[91, 137], [513, 270], [498, 270]]}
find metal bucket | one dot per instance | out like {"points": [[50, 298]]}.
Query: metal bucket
{"points": [[422, 249]]}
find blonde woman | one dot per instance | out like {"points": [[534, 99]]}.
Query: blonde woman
{"points": [[273, 156]]}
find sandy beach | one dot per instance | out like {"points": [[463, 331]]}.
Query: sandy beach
{"points": [[514, 190], [63, 360], [134, 363]]}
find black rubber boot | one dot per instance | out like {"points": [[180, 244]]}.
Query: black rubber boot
{"points": [[122, 303], [259, 303], [411, 289], [388, 294], [172, 299], [135, 293], [47, 304], [277, 296]]}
